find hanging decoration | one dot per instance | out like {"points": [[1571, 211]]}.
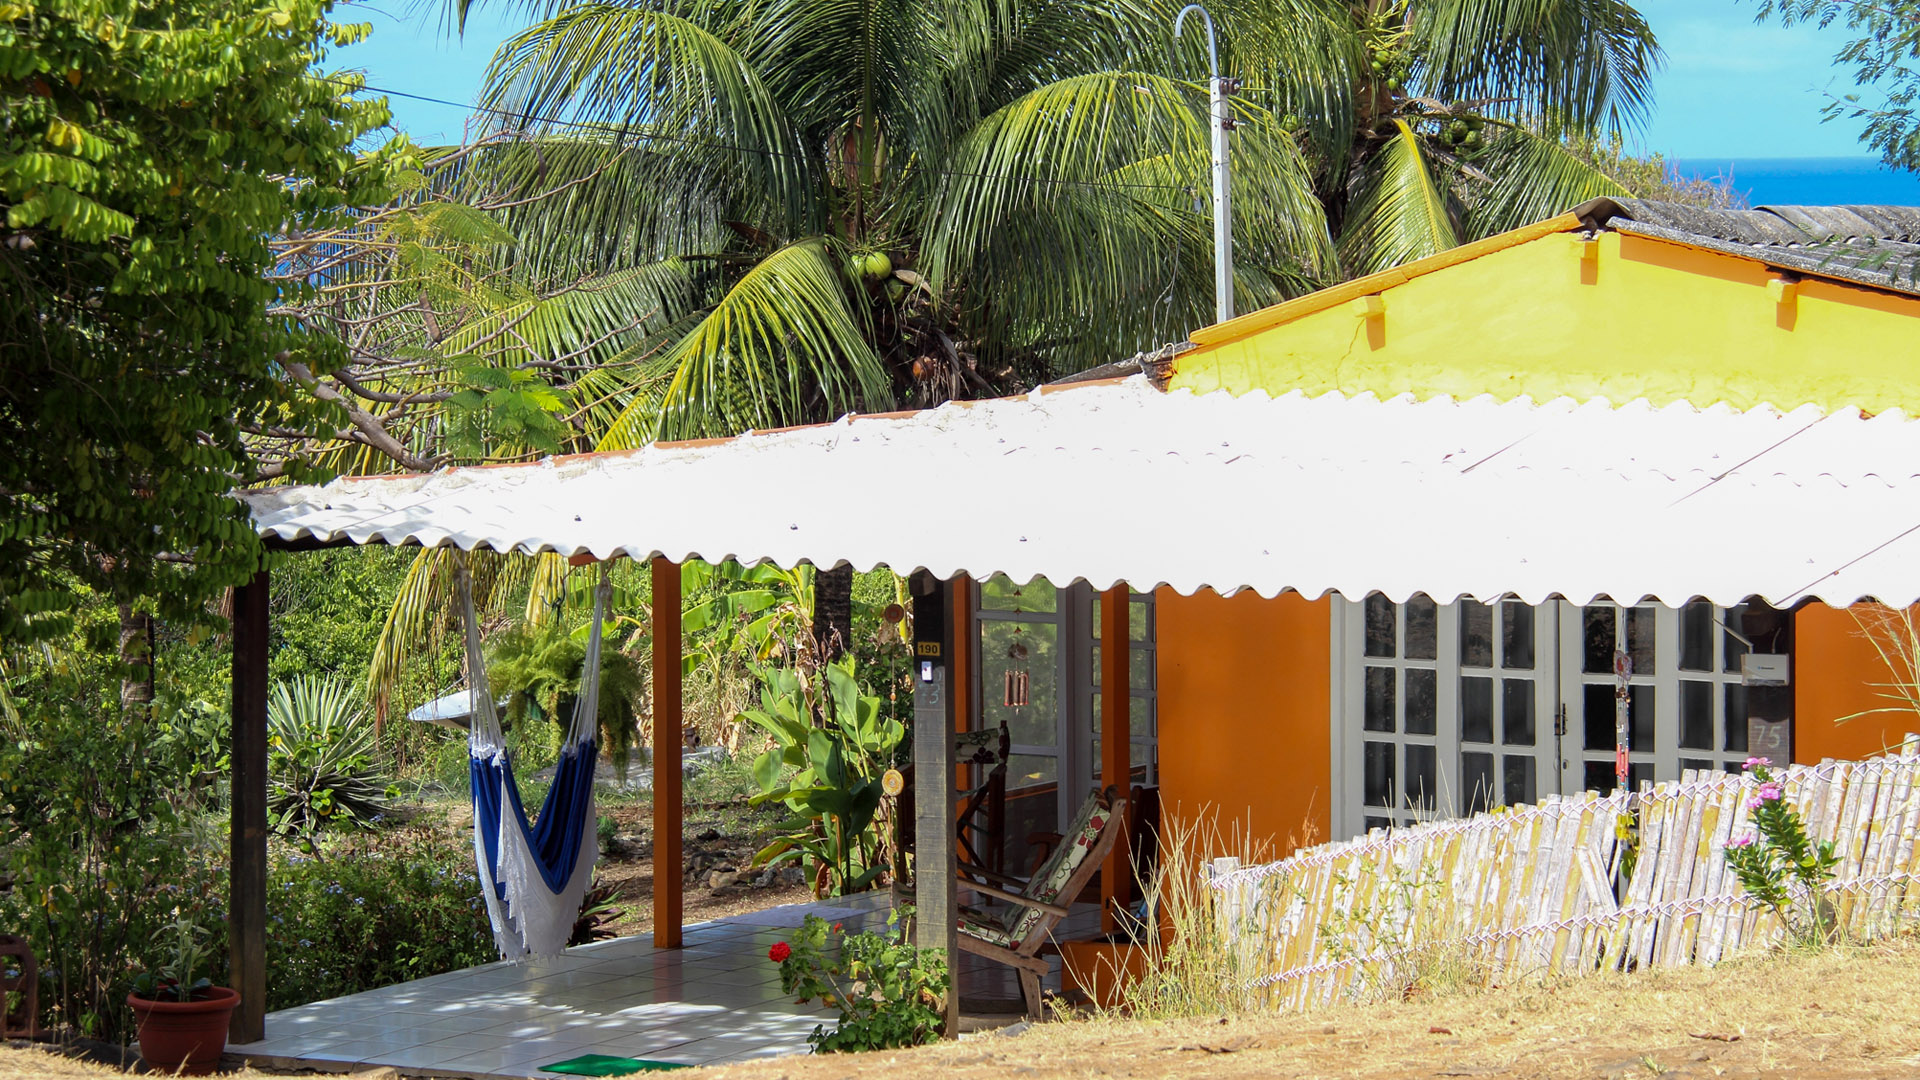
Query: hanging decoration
{"points": [[1017, 678]]}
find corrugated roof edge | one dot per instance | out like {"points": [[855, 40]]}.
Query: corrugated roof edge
{"points": [[1310, 591], [1800, 261], [683, 444]]}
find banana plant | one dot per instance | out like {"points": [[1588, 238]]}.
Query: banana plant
{"points": [[827, 773]]}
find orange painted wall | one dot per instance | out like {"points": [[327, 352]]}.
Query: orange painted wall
{"points": [[1244, 706], [1835, 668]]}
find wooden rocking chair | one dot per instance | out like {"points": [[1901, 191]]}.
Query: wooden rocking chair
{"points": [[1014, 935]]}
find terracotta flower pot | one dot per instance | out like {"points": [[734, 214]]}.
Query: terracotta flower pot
{"points": [[184, 1036]]}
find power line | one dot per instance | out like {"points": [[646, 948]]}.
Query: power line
{"points": [[714, 144]]}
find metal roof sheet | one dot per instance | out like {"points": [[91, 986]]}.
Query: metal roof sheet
{"points": [[1123, 482], [1867, 245]]}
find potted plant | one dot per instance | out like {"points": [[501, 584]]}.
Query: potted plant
{"points": [[182, 1019]]}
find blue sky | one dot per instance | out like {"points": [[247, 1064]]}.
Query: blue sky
{"points": [[1731, 89]]}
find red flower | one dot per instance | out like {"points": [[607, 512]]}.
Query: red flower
{"points": [[836, 928], [780, 951]]}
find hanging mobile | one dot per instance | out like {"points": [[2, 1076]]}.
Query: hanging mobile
{"points": [[1017, 679]]}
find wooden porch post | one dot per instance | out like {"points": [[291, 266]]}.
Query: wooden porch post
{"points": [[668, 814], [934, 880], [1116, 761], [247, 843]]}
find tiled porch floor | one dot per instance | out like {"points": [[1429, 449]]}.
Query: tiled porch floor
{"points": [[716, 1000]]}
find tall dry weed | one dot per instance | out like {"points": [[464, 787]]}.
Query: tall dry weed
{"points": [[1200, 958]]}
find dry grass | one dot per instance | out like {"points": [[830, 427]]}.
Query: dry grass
{"points": [[1851, 1012], [18, 1062]]}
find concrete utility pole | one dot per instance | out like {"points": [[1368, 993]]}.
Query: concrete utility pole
{"points": [[1220, 89]]}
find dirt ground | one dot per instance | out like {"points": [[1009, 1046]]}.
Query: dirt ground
{"points": [[1848, 1013], [715, 842], [629, 869]]}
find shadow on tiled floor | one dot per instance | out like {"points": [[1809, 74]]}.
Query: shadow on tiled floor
{"points": [[716, 1000]]}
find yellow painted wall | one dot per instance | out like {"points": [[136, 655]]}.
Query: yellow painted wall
{"points": [[1645, 319], [1835, 672], [1244, 704]]}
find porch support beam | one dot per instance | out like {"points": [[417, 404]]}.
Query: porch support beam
{"points": [[1116, 763], [935, 883], [247, 840], [668, 813]]}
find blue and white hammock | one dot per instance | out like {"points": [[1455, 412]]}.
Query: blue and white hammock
{"points": [[533, 874]]}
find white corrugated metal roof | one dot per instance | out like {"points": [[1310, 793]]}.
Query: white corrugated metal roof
{"points": [[1121, 482]]}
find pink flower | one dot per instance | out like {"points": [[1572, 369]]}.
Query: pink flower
{"points": [[1743, 840], [1755, 803], [1771, 791], [780, 951], [1757, 763]]}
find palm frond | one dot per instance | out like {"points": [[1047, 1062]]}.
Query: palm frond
{"points": [[1404, 211], [1534, 178], [1299, 59], [1590, 62], [783, 344], [665, 82]]}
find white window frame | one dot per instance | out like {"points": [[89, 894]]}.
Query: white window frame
{"points": [[1349, 736], [1559, 710], [1076, 622]]}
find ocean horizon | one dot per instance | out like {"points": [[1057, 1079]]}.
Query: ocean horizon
{"points": [[1812, 181]]}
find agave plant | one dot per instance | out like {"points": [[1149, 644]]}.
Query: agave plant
{"points": [[321, 759]]}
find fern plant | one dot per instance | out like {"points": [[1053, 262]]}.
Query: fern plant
{"points": [[539, 667]]}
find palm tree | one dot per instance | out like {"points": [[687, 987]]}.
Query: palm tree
{"points": [[889, 200], [897, 199], [1434, 122]]}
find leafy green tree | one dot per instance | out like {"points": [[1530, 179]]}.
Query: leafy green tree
{"points": [[148, 149], [1885, 56]]}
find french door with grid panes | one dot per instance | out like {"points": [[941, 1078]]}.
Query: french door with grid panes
{"points": [[1444, 709], [1687, 700], [1142, 699]]}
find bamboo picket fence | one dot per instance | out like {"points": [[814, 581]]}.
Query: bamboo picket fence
{"points": [[1559, 888]]}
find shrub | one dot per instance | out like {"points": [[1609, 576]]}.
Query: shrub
{"points": [[1779, 866], [367, 917], [96, 809], [889, 993]]}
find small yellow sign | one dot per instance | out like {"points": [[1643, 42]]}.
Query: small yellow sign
{"points": [[926, 648]]}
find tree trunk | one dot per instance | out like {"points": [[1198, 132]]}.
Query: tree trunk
{"points": [[832, 612], [136, 653]]}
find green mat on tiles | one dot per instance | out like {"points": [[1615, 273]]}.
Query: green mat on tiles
{"points": [[603, 1065]]}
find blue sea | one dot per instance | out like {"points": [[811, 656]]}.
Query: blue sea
{"points": [[1824, 181]]}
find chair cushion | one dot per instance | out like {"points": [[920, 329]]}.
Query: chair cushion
{"points": [[1051, 880], [989, 926]]}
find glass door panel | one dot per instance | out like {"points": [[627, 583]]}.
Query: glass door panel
{"points": [[1445, 709]]}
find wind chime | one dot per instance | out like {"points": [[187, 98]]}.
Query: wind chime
{"points": [[1017, 679]]}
